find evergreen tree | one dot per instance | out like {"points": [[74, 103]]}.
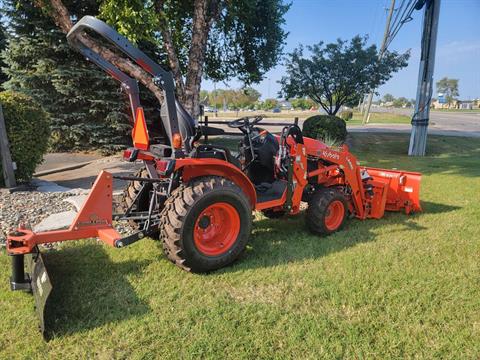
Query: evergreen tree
{"points": [[3, 45], [83, 102]]}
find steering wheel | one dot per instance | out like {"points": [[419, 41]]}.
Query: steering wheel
{"points": [[245, 122]]}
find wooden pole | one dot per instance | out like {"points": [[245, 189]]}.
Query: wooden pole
{"points": [[380, 55], [7, 163]]}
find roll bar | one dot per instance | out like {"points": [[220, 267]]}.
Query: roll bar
{"points": [[161, 78]]}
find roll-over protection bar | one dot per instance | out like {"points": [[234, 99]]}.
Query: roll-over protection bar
{"points": [[161, 78]]}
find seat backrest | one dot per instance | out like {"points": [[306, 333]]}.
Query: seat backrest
{"points": [[186, 123]]}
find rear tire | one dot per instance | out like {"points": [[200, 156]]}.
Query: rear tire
{"points": [[205, 224], [327, 211]]}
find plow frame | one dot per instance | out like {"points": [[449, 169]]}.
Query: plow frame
{"points": [[94, 220]]}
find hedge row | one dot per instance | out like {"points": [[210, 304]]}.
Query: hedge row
{"points": [[28, 133]]}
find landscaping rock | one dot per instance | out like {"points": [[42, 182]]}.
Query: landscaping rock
{"points": [[29, 208]]}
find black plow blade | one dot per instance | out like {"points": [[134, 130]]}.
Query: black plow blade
{"points": [[41, 286], [32, 278]]}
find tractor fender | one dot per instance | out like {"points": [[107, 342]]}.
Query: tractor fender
{"points": [[193, 168]]}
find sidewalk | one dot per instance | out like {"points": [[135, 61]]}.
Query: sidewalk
{"points": [[85, 176]]}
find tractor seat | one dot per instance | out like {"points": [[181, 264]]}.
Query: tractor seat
{"points": [[216, 152]]}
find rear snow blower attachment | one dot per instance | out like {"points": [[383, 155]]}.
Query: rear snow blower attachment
{"points": [[197, 199]]}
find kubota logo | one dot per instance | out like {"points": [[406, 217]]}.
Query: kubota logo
{"points": [[330, 155]]}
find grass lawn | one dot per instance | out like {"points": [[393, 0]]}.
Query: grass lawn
{"points": [[375, 118], [380, 118], [402, 286]]}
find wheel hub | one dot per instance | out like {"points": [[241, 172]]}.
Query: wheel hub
{"points": [[216, 229], [204, 222], [334, 215]]}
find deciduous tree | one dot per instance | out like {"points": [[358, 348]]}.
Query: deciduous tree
{"points": [[302, 103], [213, 38], [449, 88], [335, 74], [269, 104], [388, 98]]}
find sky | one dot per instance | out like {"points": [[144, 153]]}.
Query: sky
{"points": [[458, 42]]}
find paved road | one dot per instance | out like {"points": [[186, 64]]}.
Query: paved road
{"points": [[445, 123], [441, 123], [85, 176], [57, 160]]}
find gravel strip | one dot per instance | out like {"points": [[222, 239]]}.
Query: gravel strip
{"points": [[29, 207]]}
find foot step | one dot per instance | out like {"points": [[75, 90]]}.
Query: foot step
{"points": [[57, 221], [77, 201]]}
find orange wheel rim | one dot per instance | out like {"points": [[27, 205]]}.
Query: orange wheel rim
{"points": [[334, 216], [216, 229]]}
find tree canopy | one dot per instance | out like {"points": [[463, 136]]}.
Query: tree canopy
{"points": [[215, 39], [245, 98], [302, 103], [388, 97], [338, 73]]}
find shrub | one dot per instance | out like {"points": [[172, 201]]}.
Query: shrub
{"points": [[346, 115], [325, 127], [27, 130]]}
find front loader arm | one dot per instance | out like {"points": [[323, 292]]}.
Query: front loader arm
{"points": [[161, 78], [373, 192]]}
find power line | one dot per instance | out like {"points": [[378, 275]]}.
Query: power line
{"points": [[404, 18], [397, 14]]}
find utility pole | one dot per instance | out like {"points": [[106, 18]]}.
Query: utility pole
{"points": [[380, 55], [418, 136], [6, 157]]}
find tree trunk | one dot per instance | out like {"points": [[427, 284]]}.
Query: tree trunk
{"points": [[196, 57], [61, 16], [205, 13]]}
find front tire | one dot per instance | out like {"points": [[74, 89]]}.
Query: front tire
{"points": [[205, 224], [327, 211]]}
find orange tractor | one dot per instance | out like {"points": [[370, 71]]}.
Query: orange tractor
{"points": [[197, 198]]}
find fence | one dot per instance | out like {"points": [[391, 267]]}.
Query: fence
{"points": [[206, 122]]}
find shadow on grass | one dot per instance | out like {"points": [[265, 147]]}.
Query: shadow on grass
{"points": [[89, 290], [279, 242]]}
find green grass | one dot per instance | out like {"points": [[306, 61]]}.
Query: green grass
{"points": [[380, 118], [399, 287], [375, 118]]}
